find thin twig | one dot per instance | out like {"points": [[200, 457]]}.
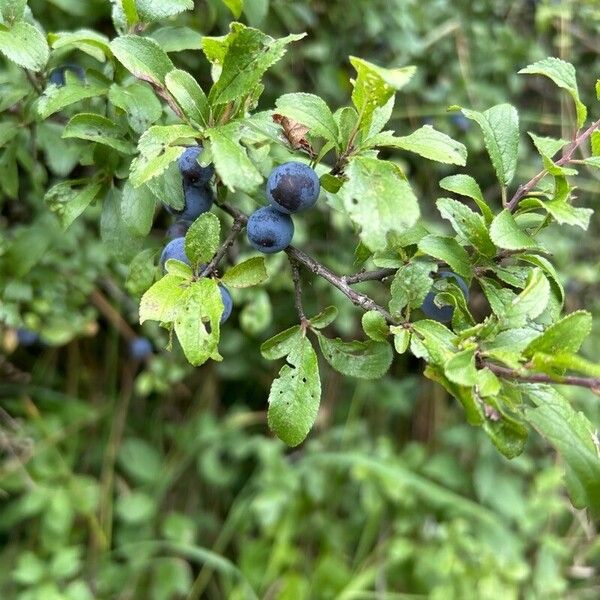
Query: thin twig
{"points": [[361, 300], [298, 292], [592, 383], [376, 275], [524, 189], [112, 316], [238, 225]]}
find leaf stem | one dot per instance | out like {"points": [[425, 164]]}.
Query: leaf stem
{"points": [[238, 225]]}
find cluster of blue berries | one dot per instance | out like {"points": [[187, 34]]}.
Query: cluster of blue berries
{"points": [[291, 187], [198, 199]]}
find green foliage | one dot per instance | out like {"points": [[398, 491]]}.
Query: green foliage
{"points": [[96, 158]]}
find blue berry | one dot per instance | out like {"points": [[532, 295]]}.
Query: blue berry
{"points": [[227, 303], [174, 249], [190, 170], [461, 121], [140, 348], [57, 76], [27, 337], [178, 229], [443, 314], [292, 187], [269, 230]]}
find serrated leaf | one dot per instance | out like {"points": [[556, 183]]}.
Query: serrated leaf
{"points": [[556, 364], [249, 53], [295, 395], [231, 161], [564, 213], [500, 127], [572, 434], [506, 233], [374, 86], [549, 270], [235, 6], [460, 368], [160, 303], [465, 185], [433, 341], [379, 200], [325, 318], [566, 335], [189, 96], [11, 10], [139, 102], [137, 209], [56, 98], [311, 111], [68, 199], [281, 345], [91, 42], [202, 239], [411, 284], [25, 45], [246, 274], [426, 142], [98, 129], [142, 57], [365, 360], [157, 10], [140, 275], [468, 224], [157, 151], [532, 301], [448, 250], [375, 326], [563, 75], [198, 320]]}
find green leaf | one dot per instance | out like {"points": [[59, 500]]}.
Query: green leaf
{"points": [[91, 42], [143, 58], [374, 86], [325, 318], [12, 10], [246, 274], [137, 209], [157, 151], [426, 142], [566, 335], [140, 275], [117, 239], [176, 267], [198, 321], [174, 38], [433, 341], [506, 233], [68, 199], [465, 185], [556, 364], [189, 96], [167, 187], [411, 284], [564, 213], [448, 250], [56, 98], [25, 45], [202, 239], [311, 111], [249, 53], [160, 302], [157, 10], [98, 129], [532, 301], [401, 338], [140, 460], [563, 75], [460, 368], [572, 434], [468, 224], [139, 103], [295, 395], [281, 345], [549, 270], [235, 6], [500, 127], [232, 164], [378, 199], [365, 360], [375, 326]]}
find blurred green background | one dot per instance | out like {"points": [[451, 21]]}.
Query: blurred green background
{"points": [[121, 480]]}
